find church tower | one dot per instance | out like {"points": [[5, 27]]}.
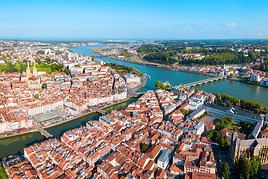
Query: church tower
{"points": [[28, 71], [35, 70]]}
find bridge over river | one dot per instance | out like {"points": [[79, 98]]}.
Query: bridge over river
{"points": [[42, 131], [200, 82], [102, 112]]}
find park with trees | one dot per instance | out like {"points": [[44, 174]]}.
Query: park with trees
{"points": [[227, 123], [230, 101], [168, 53], [123, 70], [21, 67]]}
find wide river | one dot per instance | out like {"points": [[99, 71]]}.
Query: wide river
{"points": [[233, 88], [16, 144]]}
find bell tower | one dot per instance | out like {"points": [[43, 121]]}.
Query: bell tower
{"points": [[35, 70], [28, 71]]}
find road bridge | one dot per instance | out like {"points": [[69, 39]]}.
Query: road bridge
{"points": [[200, 82]]}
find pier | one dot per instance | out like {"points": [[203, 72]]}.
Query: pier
{"points": [[209, 80]]}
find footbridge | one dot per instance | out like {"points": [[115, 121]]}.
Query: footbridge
{"points": [[102, 112], [44, 132], [209, 80]]}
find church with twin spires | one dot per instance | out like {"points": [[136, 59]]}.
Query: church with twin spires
{"points": [[32, 78]]}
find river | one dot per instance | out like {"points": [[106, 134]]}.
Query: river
{"points": [[16, 144], [233, 88]]}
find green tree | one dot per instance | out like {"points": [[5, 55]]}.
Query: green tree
{"points": [[216, 136], [123, 70], [144, 147], [244, 168], [226, 100], [158, 84], [256, 165], [160, 57], [44, 86], [163, 86], [184, 111], [225, 171], [247, 168], [220, 58], [36, 96], [224, 122], [245, 127]]}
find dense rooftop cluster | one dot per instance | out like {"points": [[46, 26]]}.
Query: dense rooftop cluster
{"points": [[135, 142], [25, 95], [163, 134]]}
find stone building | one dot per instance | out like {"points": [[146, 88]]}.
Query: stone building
{"points": [[249, 148]]}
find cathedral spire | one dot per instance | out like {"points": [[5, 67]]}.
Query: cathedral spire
{"points": [[35, 70], [28, 71]]}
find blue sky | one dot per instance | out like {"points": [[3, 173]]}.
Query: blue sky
{"points": [[134, 19]]}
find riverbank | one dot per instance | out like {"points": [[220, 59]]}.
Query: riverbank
{"points": [[230, 87], [177, 68], [18, 134], [142, 62], [96, 50], [15, 145], [89, 113], [169, 67], [66, 121], [247, 82]]}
